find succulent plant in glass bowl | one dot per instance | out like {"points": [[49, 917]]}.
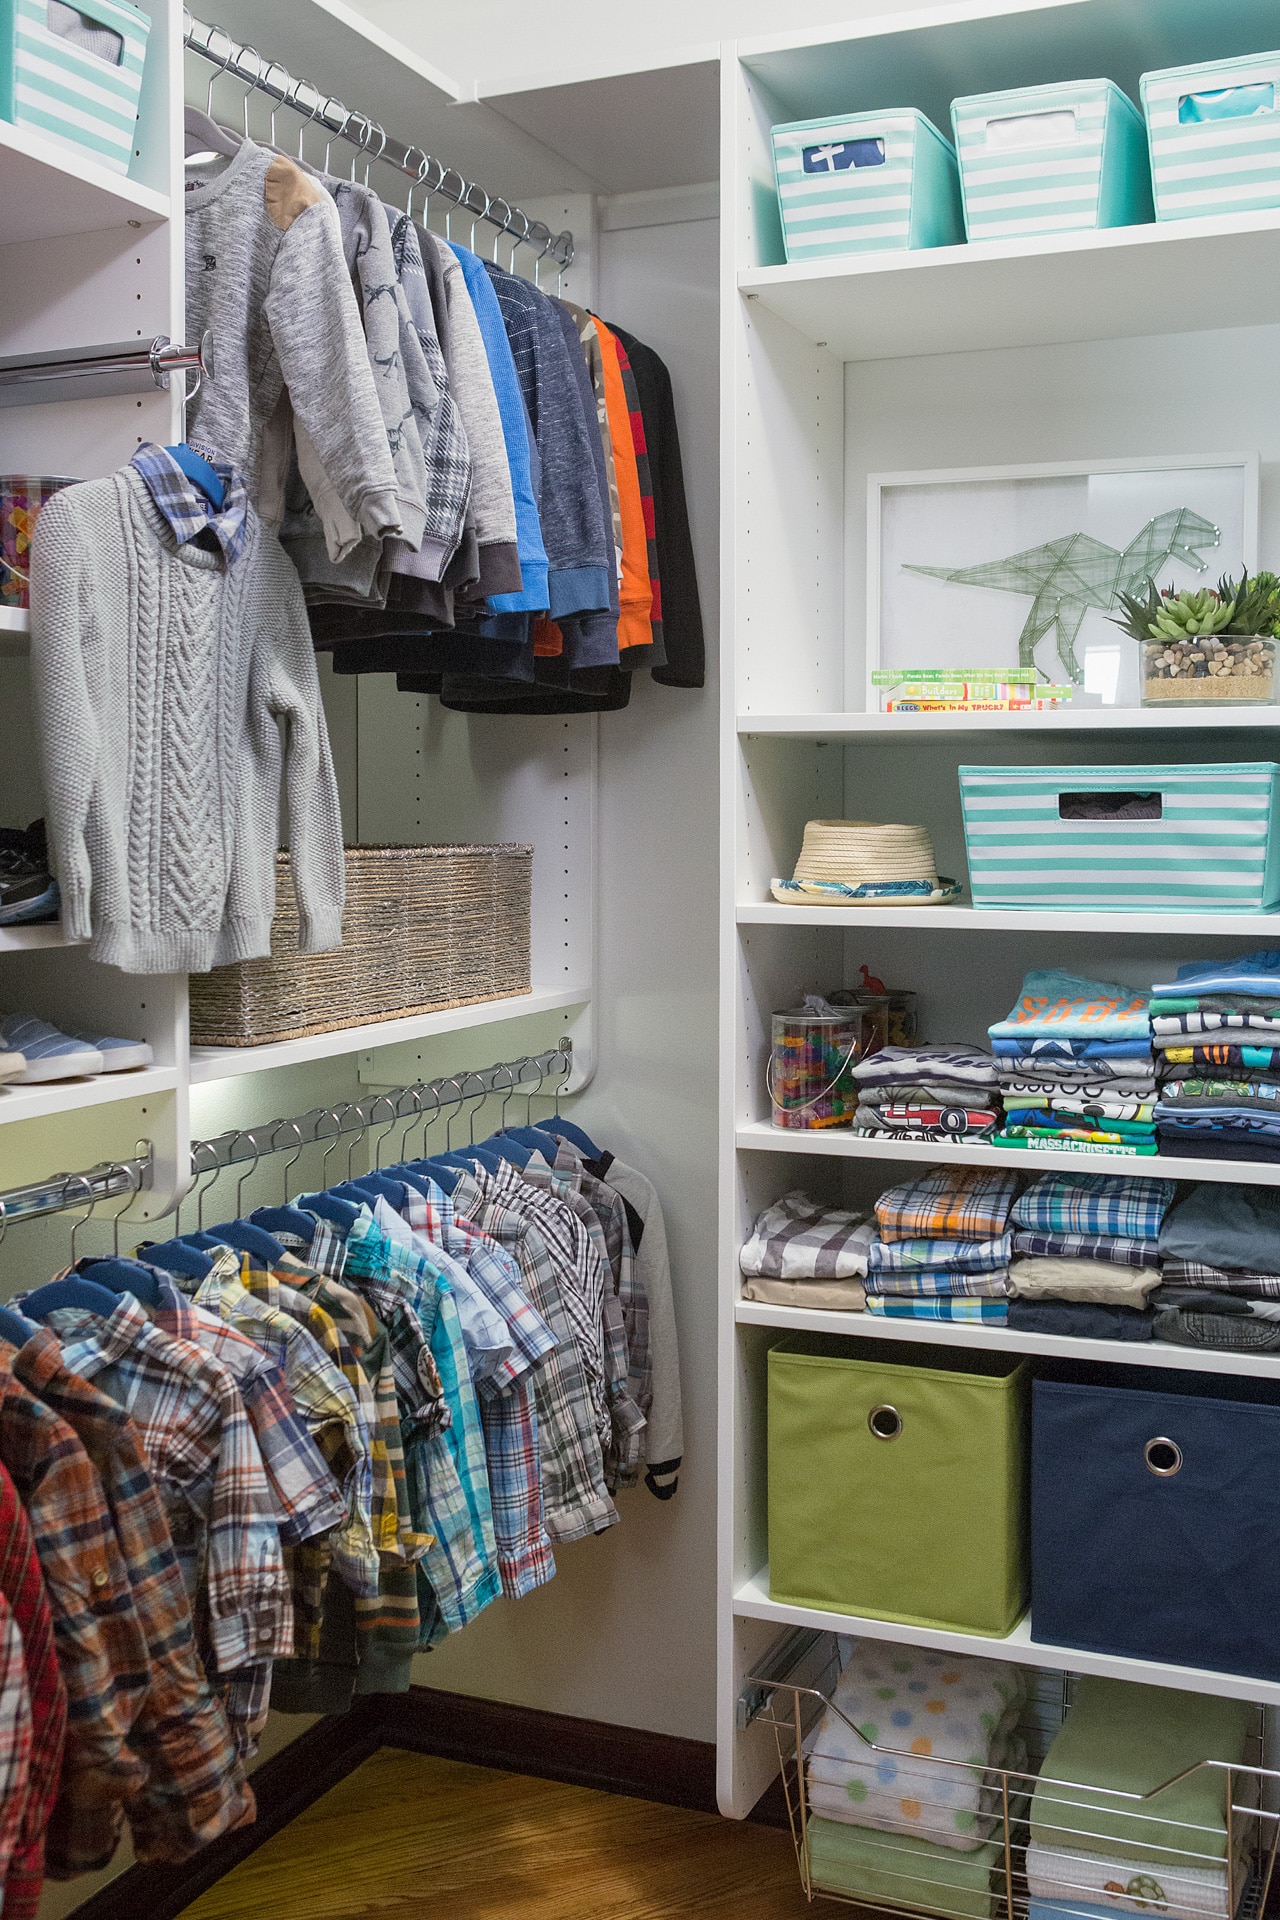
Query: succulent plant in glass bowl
{"points": [[1210, 647]]}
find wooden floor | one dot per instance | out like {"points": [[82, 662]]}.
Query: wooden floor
{"points": [[405, 1836]]}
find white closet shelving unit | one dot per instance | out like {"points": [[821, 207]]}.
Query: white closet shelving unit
{"points": [[89, 259], [1034, 350]]}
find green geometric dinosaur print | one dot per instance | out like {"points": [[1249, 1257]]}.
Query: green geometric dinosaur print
{"points": [[1068, 576]]}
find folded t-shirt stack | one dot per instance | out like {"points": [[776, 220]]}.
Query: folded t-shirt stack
{"points": [[942, 1251], [802, 1253], [1075, 1067], [1215, 1031], [1094, 1852], [1220, 1270], [1083, 1241], [884, 1753], [927, 1093]]}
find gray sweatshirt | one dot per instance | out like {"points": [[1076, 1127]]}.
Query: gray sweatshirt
{"points": [[266, 273], [165, 686]]}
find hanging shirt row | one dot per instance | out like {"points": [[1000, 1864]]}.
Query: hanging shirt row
{"points": [[266, 1464], [480, 485]]}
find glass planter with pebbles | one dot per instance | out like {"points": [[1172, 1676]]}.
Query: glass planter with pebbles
{"points": [[1212, 647]]}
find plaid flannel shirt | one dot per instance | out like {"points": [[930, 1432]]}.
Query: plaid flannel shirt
{"points": [[1198, 1273], [933, 1286], [574, 1500], [581, 1271], [386, 1626], [200, 1447], [946, 1204], [626, 1419], [188, 510], [102, 1653], [989, 1312], [507, 1412], [323, 1396], [611, 1210], [305, 1494], [448, 1477], [16, 1740], [1131, 1207], [956, 1256], [1088, 1246], [23, 1588], [195, 1788]]}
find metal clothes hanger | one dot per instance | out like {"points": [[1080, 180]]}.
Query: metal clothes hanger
{"points": [[293, 1160], [336, 133], [382, 1099], [249, 1134], [87, 1215]]}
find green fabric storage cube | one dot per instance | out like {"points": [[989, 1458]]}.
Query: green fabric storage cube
{"points": [[897, 1482]]}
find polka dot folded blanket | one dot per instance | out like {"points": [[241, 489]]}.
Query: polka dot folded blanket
{"points": [[930, 1709]]}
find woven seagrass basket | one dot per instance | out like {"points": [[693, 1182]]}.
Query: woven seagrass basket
{"points": [[424, 928]]}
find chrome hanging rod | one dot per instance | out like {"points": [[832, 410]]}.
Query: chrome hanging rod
{"points": [[64, 1190], [423, 1101], [318, 109], [122, 368]]}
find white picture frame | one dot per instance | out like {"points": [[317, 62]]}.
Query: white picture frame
{"points": [[968, 517]]}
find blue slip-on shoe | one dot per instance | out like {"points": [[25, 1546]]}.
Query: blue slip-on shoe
{"points": [[49, 1054], [118, 1056]]}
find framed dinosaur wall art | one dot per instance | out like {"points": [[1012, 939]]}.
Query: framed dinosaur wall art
{"points": [[987, 567]]}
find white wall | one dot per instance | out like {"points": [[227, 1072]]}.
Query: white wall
{"points": [[626, 1631], [490, 42]]}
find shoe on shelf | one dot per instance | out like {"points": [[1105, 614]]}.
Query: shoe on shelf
{"points": [[28, 891], [118, 1056], [48, 1054], [12, 1067]]}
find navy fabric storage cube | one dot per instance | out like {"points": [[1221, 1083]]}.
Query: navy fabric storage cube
{"points": [[1155, 1521]]}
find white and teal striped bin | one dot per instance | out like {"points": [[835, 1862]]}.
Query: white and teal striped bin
{"points": [[75, 73], [866, 182], [1050, 159], [1214, 847], [1214, 131]]}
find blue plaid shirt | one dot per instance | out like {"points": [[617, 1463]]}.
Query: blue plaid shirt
{"points": [[189, 511], [1132, 1207]]}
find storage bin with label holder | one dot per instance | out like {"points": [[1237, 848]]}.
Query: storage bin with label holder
{"points": [[866, 182], [75, 73], [1155, 1518], [897, 1482], [1162, 839], [1214, 131], [1050, 159]]}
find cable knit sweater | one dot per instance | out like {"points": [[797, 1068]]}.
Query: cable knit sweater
{"points": [[172, 696]]}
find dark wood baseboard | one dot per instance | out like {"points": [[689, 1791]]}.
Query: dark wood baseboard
{"points": [[454, 1726]]}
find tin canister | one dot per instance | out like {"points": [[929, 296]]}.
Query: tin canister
{"points": [[811, 1080]]}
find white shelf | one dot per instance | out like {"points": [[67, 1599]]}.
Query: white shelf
{"points": [[71, 1096], [48, 190], [1229, 926], [752, 1602], [226, 1063], [1107, 284], [960, 1333], [889, 726], [761, 1136], [29, 939]]}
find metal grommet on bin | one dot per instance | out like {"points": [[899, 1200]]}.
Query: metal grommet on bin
{"points": [[885, 1422], [1163, 1457]]}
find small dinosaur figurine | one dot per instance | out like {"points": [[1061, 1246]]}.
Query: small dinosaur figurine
{"points": [[1068, 576]]}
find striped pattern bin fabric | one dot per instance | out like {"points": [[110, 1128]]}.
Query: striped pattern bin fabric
{"points": [[1050, 159], [866, 182], [75, 73], [1207, 843], [1214, 131]]}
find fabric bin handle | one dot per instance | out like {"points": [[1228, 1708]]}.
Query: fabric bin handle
{"points": [[885, 1422], [1163, 1457], [1056, 127], [86, 28], [838, 156], [1228, 103], [1109, 805]]}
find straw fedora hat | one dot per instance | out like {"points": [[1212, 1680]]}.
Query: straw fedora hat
{"points": [[853, 852]]}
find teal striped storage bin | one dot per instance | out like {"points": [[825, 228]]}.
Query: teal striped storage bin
{"points": [[1181, 839], [866, 182], [1215, 136], [1049, 159], [75, 73]]}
